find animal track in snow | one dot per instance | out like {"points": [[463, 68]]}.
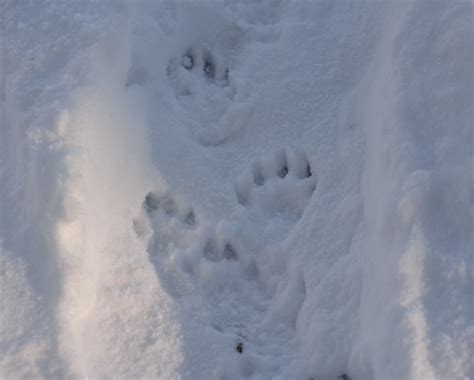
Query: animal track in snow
{"points": [[237, 267], [156, 205], [181, 247], [279, 186], [169, 226], [274, 196], [244, 286], [211, 106], [262, 307], [205, 72], [196, 69]]}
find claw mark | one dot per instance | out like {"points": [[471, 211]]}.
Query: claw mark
{"points": [[240, 347], [308, 171], [209, 65], [190, 219], [283, 171], [151, 202], [229, 252]]}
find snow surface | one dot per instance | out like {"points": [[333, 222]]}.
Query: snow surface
{"points": [[236, 189]]}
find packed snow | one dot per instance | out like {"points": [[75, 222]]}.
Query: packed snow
{"points": [[236, 189]]}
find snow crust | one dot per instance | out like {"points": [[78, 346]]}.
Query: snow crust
{"points": [[236, 189]]}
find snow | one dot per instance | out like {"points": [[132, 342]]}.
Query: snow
{"points": [[236, 190]]}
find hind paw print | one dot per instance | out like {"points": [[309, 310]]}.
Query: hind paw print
{"points": [[280, 185], [163, 208], [193, 67], [154, 203]]}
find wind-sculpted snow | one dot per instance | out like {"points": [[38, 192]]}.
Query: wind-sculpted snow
{"points": [[236, 190]]}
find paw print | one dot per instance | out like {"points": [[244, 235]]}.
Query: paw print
{"points": [[280, 185]]}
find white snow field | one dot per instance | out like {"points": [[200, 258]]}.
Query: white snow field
{"points": [[272, 189]]}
